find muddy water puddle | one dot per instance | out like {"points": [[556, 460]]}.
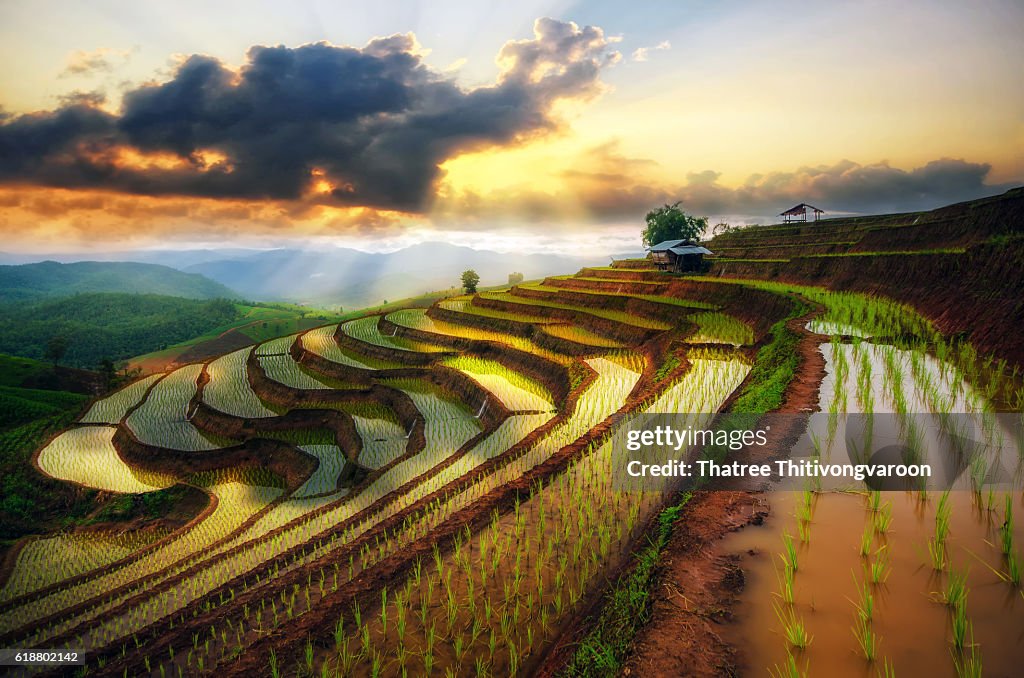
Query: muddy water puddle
{"points": [[911, 624]]}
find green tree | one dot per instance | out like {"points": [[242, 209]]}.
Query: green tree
{"points": [[56, 347], [515, 278], [470, 279], [109, 372], [671, 223]]}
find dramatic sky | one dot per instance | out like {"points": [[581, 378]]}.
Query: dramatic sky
{"points": [[535, 125]]}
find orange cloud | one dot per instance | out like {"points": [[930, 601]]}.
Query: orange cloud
{"points": [[33, 218]]}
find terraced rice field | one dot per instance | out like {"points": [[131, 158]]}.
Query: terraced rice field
{"points": [[428, 493], [617, 316]]}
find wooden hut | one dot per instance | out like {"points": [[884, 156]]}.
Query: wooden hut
{"points": [[678, 256], [799, 213]]}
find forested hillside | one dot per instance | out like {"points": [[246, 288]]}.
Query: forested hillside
{"points": [[52, 279], [85, 329]]}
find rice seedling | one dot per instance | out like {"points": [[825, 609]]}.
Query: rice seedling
{"points": [[955, 592], [866, 605], [942, 516], [882, 518], [793, 628], [937, 554], [961, 625], [790, 669], [968, 664], [790, 556], [866, 638], [1006, 529], [878, 568], [277, 362], [867, 538]]}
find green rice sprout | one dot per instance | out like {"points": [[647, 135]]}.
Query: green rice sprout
{"points": [[790, 556], [789, 669], [793, 627], [866, 638], [878, 568]]}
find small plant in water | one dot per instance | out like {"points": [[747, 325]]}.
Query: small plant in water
{"points": [[793, 627], [866, 638], [790, 555], [790, 669]]}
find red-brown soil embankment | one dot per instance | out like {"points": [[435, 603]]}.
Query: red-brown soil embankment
{"points": [[285, 460], [225, 425], [978, 294]]}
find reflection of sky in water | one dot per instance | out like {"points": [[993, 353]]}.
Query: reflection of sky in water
{"points": [[924, 412], [841, 329]]}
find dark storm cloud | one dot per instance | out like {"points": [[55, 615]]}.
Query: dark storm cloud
{"points": [[373, 122], [608, 187], [850, 187], [843, 187]]}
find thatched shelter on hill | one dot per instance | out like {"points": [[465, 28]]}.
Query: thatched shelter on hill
{"points": [[799, 213]]}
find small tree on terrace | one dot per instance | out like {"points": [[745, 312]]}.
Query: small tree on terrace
{"points": [[671, 223], [470, 279], [109, 372], [56, 347], [515, 278]]}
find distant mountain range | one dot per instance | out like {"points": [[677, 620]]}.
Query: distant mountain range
{"points": [[178, 259], [323, 277], [50, 279], [352, 278]]}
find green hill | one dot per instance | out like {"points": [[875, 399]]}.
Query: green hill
{"points": [[103, 325], [51, 279]]}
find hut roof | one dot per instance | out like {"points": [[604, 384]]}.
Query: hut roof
{"points": [[800, 209], [689, 249], [666, 245]]}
